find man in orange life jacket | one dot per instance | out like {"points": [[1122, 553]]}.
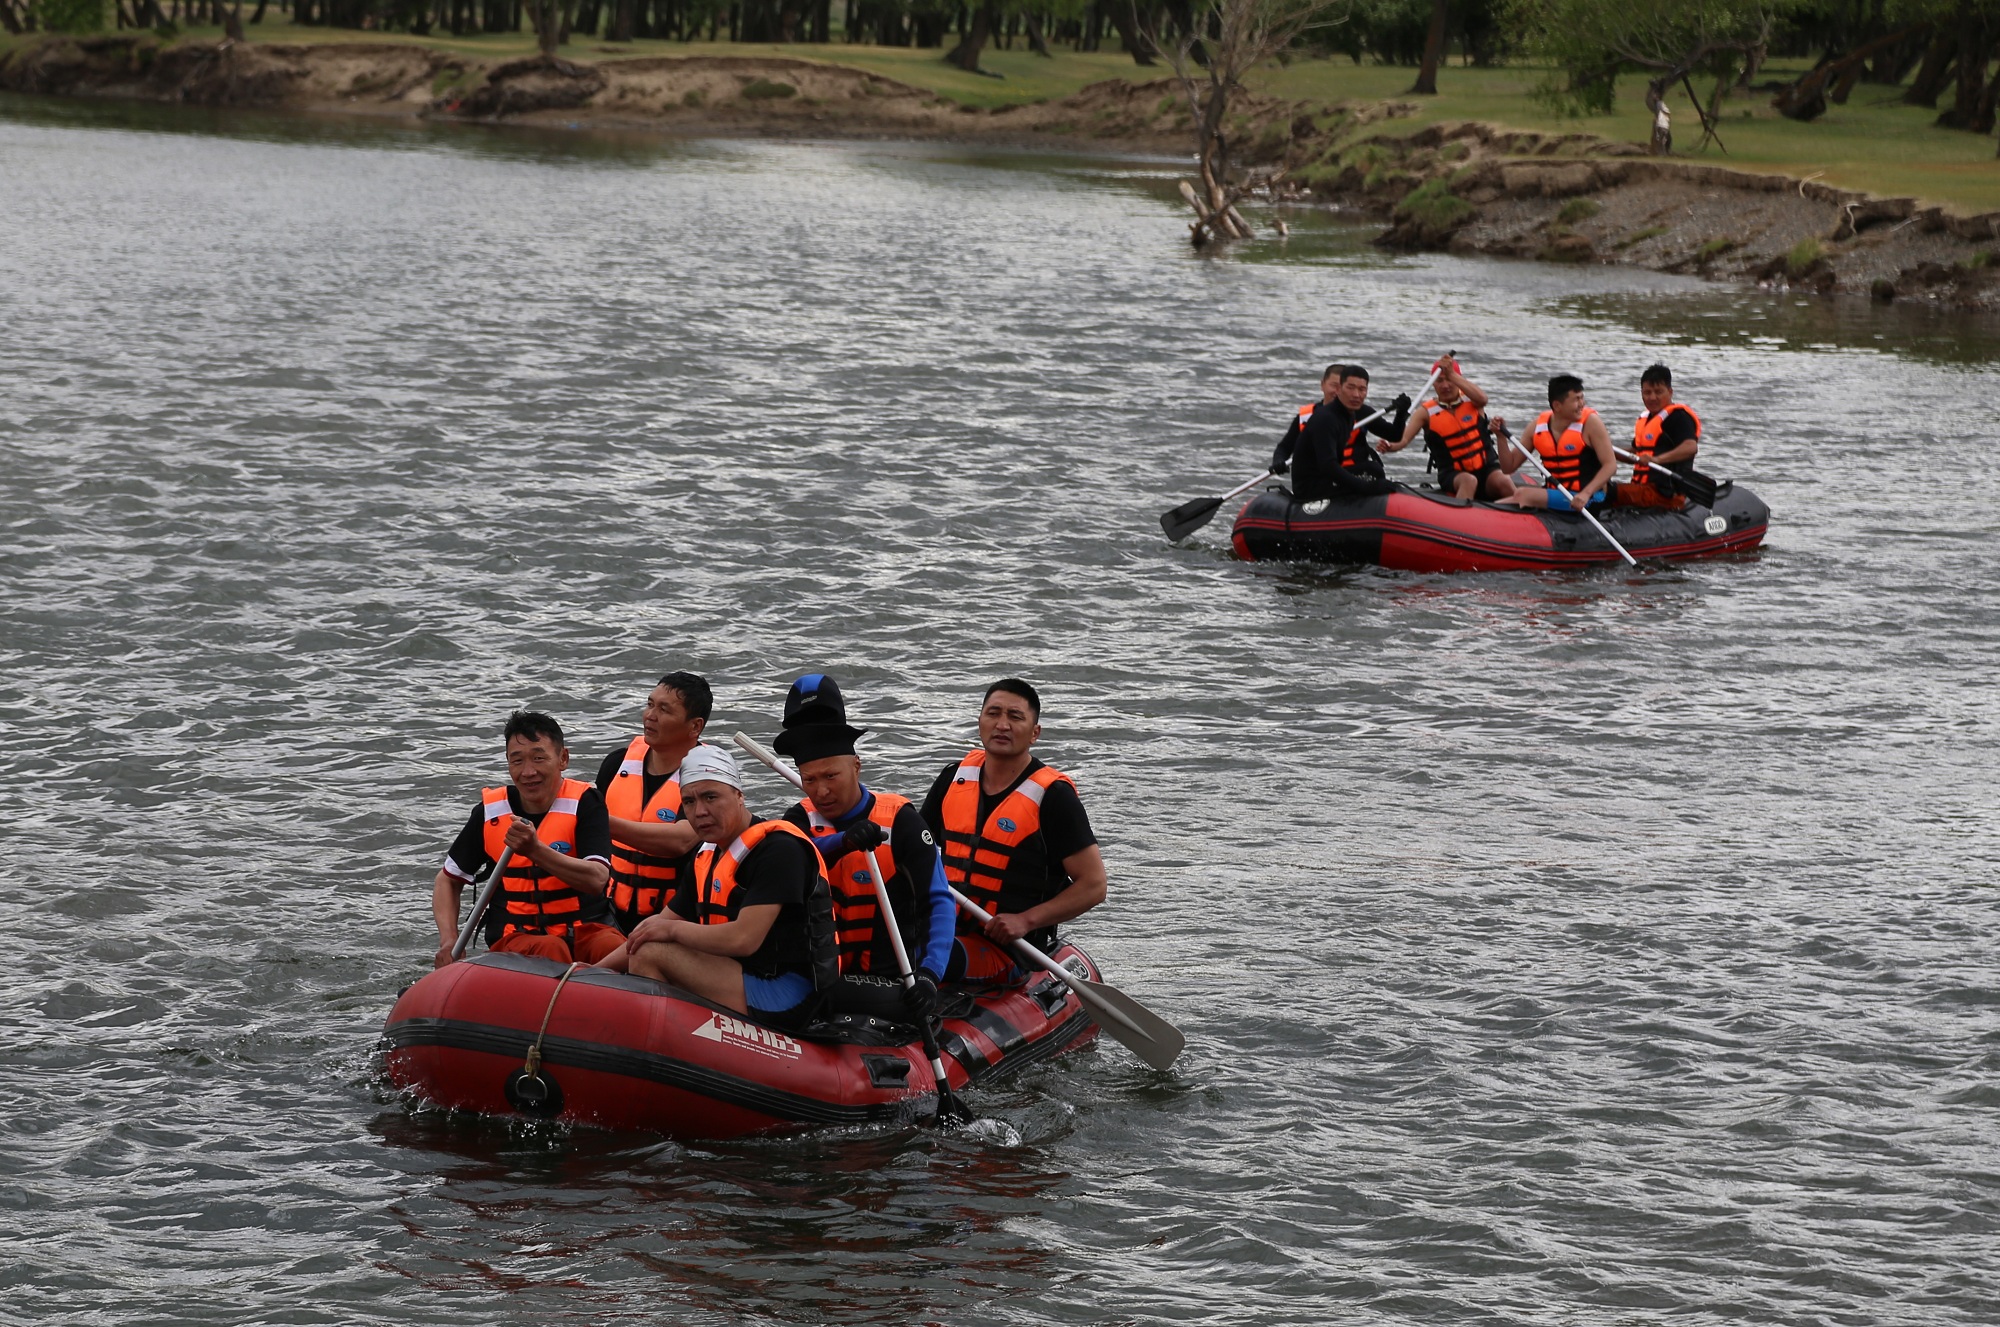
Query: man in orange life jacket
{"points": [[1459, 436], [1323, 449], [750, 925], [640, 781], [1669, 434], [557, 841], [1015, 838], [846, 819], [1574, 448]]}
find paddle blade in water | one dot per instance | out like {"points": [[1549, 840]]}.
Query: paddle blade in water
{"points": [[1185, 519], [1143, 1032]]}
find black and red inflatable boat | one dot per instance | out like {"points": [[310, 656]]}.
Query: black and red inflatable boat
{"points": [[1419, 530], [623, 1052]]}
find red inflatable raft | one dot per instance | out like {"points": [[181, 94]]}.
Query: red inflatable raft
{"points": [[623, 1052], [1416, 530]]}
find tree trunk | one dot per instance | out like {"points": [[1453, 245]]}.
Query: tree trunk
{"points": [[1934, 73], [621, 21], [1806, 99], [232, 22], [1972, 57], [258, 16], [1125, 17], [1036, 42], [966, 54], [1427, 73]]}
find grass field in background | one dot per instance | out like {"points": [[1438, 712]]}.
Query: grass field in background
{"points": [[1873, 143]]}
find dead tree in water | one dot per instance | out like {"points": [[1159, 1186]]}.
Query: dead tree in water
{"points": [[1220, 42]]}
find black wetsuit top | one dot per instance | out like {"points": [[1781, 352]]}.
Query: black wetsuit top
{"points": [[1313, 452]]}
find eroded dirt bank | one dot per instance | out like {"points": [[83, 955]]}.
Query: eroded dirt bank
{"points": [[1466, 187]]}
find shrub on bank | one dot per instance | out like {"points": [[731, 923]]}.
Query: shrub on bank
{"points": [[72, 15]]}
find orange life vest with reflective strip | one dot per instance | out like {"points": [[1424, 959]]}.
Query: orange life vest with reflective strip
{"points": [[1348, 455], [1565, 457], [1646, 439], [641, 883], [529, 900], [1458, 432], [714, 899], [856, 914], [976, 856]]}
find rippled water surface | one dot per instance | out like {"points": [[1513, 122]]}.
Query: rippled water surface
{"points": [[1610, 949]]}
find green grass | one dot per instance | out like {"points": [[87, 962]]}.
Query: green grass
{"points": [[1578, 209], [1713, 249], [1803, 255], [1873, 143]]}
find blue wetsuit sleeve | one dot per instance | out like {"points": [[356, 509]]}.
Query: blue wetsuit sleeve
{"points": [[944, 920]]}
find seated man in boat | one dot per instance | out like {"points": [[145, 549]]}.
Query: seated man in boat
{"points": [[1570, 440], [556, 838], [750, 926], [1667, 433], [1323, 449], [1015, 837], [848, 819], [1459, 436], [650, 843]]}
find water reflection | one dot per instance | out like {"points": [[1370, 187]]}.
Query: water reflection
{"points": [[1766, 320]]}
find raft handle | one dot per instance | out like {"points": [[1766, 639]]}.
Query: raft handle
{"points": [[887, 1070]]}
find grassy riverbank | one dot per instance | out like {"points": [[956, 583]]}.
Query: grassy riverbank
{"points": [[1874, 143]]}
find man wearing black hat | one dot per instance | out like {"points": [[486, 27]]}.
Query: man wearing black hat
{"points": [[1016, 839], [847, 819]]}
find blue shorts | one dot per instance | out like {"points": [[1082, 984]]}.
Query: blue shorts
{"points": [[775, 995], [1559, 499]]}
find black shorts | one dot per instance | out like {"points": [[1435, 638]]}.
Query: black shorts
{"points": [[1449, 476]]}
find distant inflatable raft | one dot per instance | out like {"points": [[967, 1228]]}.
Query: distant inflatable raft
{"points": [[1421, 531]]}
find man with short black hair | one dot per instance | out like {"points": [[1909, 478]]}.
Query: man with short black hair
{"points": [[1015, 838], [556, 839], [1574, 449], [750, 926], [640, 782], [1667, 434], [1325, 451]]}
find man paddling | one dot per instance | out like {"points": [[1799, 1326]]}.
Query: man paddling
{"points": [[847, 819], [640, 782], [1459, 436], [1570, 440], [556, 838], [1325, 451], [1015, 836], [750, 925], [1667, 433]]}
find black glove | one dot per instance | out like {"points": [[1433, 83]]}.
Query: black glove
{"points": [[1279, 465], [1400, 408], [861, 838], [922, 995]]}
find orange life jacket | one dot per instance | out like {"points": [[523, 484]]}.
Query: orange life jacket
{"points": [[714, 895], [1348, 454], [529, 900], [856, 913], [1458, 432], [1565, 457], [976, 856], [1646, 438], [641, 883]]}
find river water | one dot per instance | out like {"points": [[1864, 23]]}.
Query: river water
{"points": [[1604, 949]]}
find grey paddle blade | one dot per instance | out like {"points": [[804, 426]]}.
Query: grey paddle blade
{"points": [[1185, 519], [1137, 1028]]}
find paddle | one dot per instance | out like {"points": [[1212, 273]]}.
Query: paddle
{"points": [[1530, 454], [1190, 516], [480, 906], [1145, 1033], [1697, 486], [949, 1108]]}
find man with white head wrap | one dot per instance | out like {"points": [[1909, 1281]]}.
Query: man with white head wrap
{"points": [[751, 926]]}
